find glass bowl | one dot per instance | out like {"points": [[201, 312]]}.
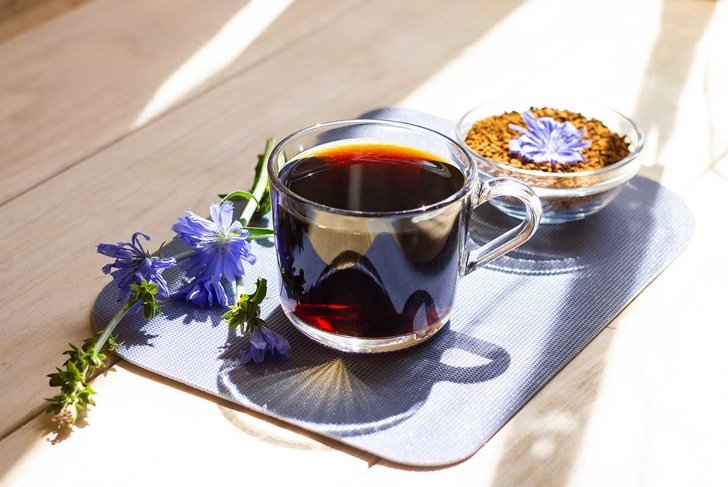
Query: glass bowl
{"points": [[565, 196]]}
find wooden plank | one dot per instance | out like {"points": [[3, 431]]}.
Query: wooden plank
{"points": [[41, 135], [17, 16], [82, 81], [155, 433], [183, 160], [641, 405]]}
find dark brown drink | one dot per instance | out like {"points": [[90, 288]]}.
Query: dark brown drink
{"points": [[369, 277]]}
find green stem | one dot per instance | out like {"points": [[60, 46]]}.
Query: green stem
{"points": [[260, 185], [239, 288], [184, 255], [109, 329]]}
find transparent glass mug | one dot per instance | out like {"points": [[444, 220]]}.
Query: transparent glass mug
{"points": [[373, 281]]}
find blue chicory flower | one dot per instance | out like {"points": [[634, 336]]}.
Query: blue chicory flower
{"points": [[203, 293], [220, 248], [264, 340], [546, 140], [132, 264]]}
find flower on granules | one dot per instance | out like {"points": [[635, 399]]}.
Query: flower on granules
{"points": [[133, 264], [220, 248], [546, 140]]}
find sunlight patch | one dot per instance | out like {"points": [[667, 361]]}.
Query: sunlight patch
{"points": [[219, 52]]}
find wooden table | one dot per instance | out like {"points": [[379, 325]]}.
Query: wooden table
{"points": [[118, 114]]}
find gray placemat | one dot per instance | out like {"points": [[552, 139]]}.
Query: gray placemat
{"points": [[517, 323]]}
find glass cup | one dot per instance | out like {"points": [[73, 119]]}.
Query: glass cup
{"points": [[373, 281]]}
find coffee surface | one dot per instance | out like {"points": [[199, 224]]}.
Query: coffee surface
{"points": [[372, 178]]}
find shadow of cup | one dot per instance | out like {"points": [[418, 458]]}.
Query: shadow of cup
{"points": [[356, 394], [555, 249]]}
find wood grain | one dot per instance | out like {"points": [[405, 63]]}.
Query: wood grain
{"points": [[105, 62], [17, 16]]}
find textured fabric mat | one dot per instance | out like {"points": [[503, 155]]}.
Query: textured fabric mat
{"points": [[517, 322]]}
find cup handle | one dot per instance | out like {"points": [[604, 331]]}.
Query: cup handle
{"points": [[477, 256]]}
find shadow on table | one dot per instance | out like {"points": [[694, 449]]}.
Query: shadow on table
{"points": [[353, 394], [666, 75], [584, 250]]}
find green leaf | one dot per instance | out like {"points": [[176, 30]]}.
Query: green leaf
{"points": [[246, 310], [238, 196], [258, 232], [145, 292], [151, 308], [261, 288], [264, 205], [56, 403], [73, 372], [159, 253], [56, 380]]}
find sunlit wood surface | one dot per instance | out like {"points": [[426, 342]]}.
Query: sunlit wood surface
{"points": [[115, 115]]}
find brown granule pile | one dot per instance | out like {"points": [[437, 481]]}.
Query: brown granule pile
{"points": [[489, 137]]}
